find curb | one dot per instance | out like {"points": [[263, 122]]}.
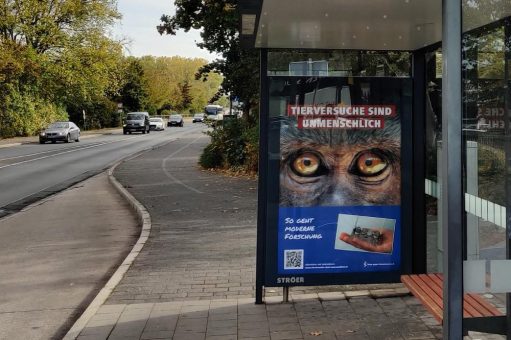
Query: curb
{"points": [[145, 219], [9, 145]]}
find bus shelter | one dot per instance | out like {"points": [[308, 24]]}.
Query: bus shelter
{"points": [[385, 145]]}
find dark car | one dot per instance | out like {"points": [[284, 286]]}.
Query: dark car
{"points": [[60, 131], [136, 122], [175, 120], [198, 118]]}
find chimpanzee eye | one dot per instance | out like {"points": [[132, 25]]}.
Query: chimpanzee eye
{"points": [[369, 163], [307, 164]]}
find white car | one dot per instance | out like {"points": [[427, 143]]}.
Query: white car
{"points": [[156, 124]]}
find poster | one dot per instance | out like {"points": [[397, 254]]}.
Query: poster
{"points": [[339, 184]]}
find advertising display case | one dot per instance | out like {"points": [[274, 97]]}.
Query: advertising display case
{"points": [[335, 180]]}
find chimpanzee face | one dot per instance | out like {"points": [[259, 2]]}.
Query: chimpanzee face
{"points": [[321, 167]]}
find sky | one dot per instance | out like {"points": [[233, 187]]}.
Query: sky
{"points": [[138, 27]]}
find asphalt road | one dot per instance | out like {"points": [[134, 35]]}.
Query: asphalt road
{"points": [[56, 254], [32, 171]]}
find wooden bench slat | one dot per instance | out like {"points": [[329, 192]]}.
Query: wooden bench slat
{"points": [[428, 288], [468, 309], [483, 307], [433, 282], [468, 299], [429, 303], [482, 302]]}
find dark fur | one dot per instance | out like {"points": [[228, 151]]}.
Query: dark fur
{"points": [[336, 146]]}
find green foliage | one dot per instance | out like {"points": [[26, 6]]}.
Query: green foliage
{"points": [[171, 84], [99, 113], [478, 13], [219, 23], [186, 97], [234, 145], [165, 107], [134, 94], [251, 138], [236, 141], [165, 112], [211, 157], [152, 109], [55, 56], [26, 114], [47, 25]]}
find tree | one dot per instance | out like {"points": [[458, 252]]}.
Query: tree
{"points": [[49, 25], [219, 22], [186, 98], [56, 56], [134, 94], [165, 77]]}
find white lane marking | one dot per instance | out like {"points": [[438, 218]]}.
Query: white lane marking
{"points": [[169, 175], [40, 153], [45, 188], [51, 185], [62, 153]]}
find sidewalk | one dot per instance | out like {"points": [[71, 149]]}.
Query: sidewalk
{"points": [[194, 278], [56, 254]]}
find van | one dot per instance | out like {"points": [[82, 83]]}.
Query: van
{"points": [[136, 122], [214, 114]]}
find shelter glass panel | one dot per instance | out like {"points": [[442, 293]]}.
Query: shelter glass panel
{"points": [[486, 141], [339, 63], [433, 172]]}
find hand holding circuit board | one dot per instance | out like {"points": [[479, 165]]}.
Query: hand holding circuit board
{"points": [[378, 240]]}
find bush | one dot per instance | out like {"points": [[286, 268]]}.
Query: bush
{"points": [[251, 137], [234, 145], [25, 114], [99, 113], [210, 157]]}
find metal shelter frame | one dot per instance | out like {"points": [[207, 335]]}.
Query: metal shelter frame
{"points": [[452, 192]]}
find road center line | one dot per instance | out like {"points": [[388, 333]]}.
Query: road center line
{"points": [[41, 153]]}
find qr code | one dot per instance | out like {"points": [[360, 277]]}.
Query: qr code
{"points": [[293, 259]]}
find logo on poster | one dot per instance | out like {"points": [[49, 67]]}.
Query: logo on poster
{"points": [[292, 279]]}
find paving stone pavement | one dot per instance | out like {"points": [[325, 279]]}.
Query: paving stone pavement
{"points": [[360, 318], [194, 279]]}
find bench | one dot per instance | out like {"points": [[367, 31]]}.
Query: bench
{"points": [[478, 314]]}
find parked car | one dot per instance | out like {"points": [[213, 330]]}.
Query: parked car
{"points": [[136, 122], [175, 120], [198, 118], [156, 124], [60, 131]]}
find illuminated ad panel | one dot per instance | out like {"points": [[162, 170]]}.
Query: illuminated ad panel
{"points": [[335, 205]]}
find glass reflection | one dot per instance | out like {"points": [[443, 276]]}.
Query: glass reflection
{"points": [[339, 63], [486, 113], [433, 121]]}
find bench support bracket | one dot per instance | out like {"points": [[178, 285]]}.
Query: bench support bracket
{"points": [[487, 324]]}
